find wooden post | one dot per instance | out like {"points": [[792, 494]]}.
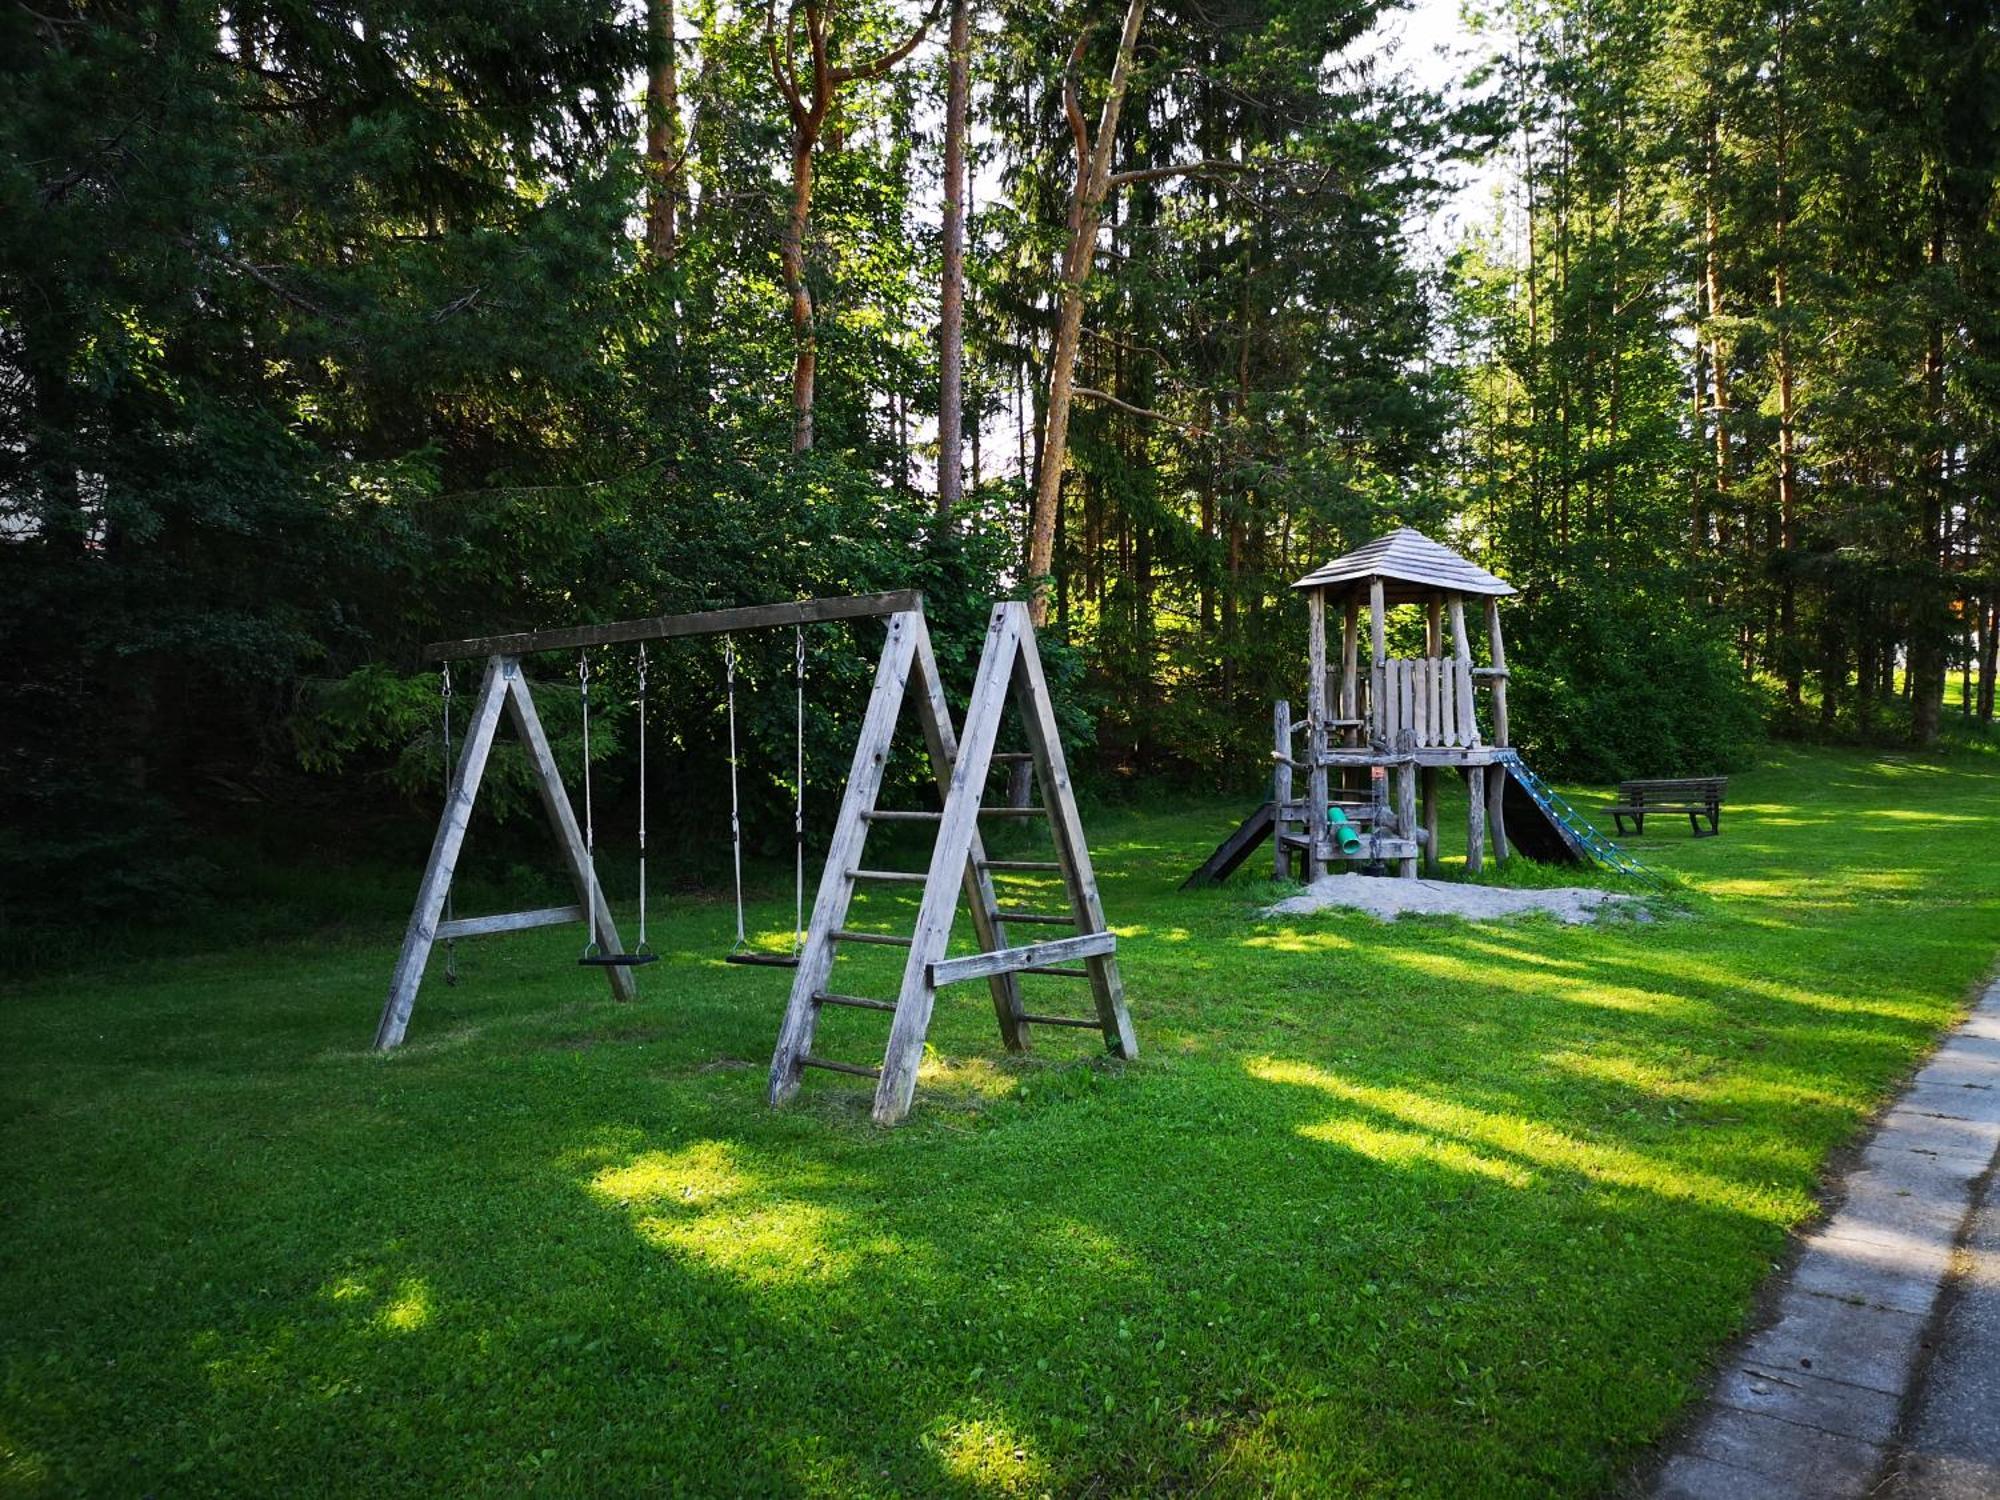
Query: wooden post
{"points": [[439, 868], [1496, 783], [1038, 721], [1428, 783], [934, 713], [569, 838], [836, 881], [1406, 802], [1378, 648], [957, 824], [1316, 738], [1434, 626], [1475, 819], [1281, 787]]}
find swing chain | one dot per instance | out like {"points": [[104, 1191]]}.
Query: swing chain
{"points": [[444, 712]]}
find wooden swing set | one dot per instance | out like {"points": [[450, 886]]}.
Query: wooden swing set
{"points": [[1009, 672]]}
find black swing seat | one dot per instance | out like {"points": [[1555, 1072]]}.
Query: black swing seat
{"points": [[617, 960], [762, 960]]}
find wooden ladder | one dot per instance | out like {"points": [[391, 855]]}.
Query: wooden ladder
{"points": [[1010, 670]]}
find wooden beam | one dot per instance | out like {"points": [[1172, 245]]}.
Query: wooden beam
{"points": [[670, 627], [1281, 781], [510, 921], [1316, 717], [438, 870], [1028, 955], [569, 838]]}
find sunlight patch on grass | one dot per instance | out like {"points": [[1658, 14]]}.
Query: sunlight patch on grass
{"points": [[1576, 991], [986, 1456], [1404, 1148], [701, 1202], [1291, 940], [1538, 1144], [409, 1309]]}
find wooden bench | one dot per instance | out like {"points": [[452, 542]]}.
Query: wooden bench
{"points": [[1697, 796]]}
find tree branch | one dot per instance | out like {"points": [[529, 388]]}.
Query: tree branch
{"points": [[895, 55], [786, 74], [1079, 131], [1186, 169], [1138, 411]]}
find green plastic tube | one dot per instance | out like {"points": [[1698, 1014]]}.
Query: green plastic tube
{"points": [[1345, 835]]}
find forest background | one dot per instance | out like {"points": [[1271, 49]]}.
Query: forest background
{"points": [[328, 330]]}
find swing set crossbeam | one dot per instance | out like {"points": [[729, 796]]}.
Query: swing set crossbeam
{"points": [[674, 627]]}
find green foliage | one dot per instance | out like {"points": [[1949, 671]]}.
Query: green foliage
{"points": [[1620, 684]]}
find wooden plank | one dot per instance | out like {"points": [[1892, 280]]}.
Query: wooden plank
{"points": [[1406, 818], [1035, 918], [668, 627], [1350, 667], [1425, 674], [1406, 691], [556, 807], [850, 833], [510, 921], [1232, 851], [949, 858], [1427, 790], [889, 877], [941, 738], [443, 862], [883, 939], [1029, 955], [855, 1002], [1461, 650], [1019, 864]]}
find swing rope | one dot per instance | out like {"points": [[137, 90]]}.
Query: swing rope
{"points": [[735, 811], [444, 710], [591, 947], [643, 948], [799, 793]]}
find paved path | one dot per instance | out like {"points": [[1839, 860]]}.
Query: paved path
{"points": [[1951, 1444], [1814, 1404]]}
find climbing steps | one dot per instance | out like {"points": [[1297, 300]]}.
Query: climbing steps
{"points": [[1010, 673]]}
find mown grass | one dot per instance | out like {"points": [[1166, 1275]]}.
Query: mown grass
{"points": [[1432, 1207]]}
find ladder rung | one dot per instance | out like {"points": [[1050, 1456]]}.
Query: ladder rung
{"points": [[1013, 755], [1015, 812], [1020, 864], [901, 815], [1046, 919], [1091, 1021], [833, 1066], [841, 935], [859, 1002], [1058, 971], [904, 877]]}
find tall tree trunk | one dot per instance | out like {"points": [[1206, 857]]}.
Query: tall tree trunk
{"points": [[1931, 626], [663, 132], [1791, 651], [1086, 202], [951, 307]]}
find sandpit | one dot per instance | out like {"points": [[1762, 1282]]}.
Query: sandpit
{"points": [[1390, 899]]}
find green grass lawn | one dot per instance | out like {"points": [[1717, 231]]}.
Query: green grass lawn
{"points": [[1434, 1207]]}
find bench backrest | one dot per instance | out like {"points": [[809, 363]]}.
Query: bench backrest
{"points": [[1683, 788]]}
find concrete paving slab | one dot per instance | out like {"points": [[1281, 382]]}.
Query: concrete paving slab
{"points": [[1947, 1135], [1875, 1347], [1808, 1401], [1689, 1476], [1805, 1457], [1890, 1160], [1905, 1277]]}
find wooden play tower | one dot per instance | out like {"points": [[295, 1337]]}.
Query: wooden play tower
{"points": [[1377, 731]]}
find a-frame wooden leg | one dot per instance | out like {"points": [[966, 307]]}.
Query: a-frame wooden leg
{"points": [[934, 709], [438, 869], [562, 820], [836, 883], [1031, 696], [957, 825]]}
